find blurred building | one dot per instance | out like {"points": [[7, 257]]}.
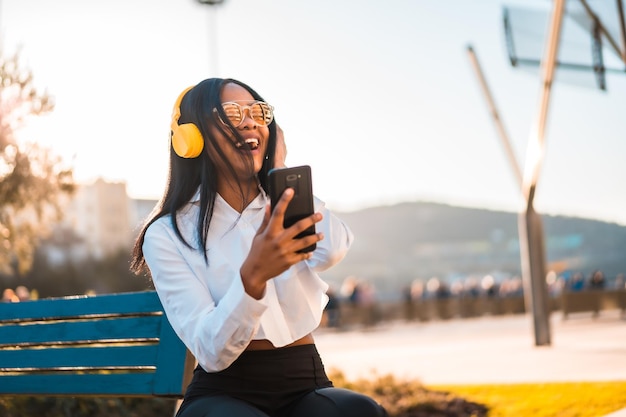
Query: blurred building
{"points": [[100, 220]]}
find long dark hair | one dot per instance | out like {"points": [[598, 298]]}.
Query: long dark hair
{"points": [[186, 176]]}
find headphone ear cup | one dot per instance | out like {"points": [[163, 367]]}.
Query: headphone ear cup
{"points": [[187, 140]]}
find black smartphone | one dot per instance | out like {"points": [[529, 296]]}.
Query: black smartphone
{"points": [[301, 205]]}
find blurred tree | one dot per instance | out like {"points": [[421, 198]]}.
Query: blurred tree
{"points": [[108, 275], [32, 179]]}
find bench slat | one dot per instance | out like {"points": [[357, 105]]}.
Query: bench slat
{"points": [[88, 357], [76, 331], [139, 384], [124, 303], [148, 358]]}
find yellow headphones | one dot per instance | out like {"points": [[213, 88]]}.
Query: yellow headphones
{"points": [[187, 140]]}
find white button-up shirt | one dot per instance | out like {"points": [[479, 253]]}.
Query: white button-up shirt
{"points": [[207, 305]]}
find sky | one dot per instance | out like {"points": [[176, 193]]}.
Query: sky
{"points": [[378, 97]]}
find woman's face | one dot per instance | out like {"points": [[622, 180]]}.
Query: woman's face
{"points": [[256, 137]]}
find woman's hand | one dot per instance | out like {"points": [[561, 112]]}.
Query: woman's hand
{"points": [[274, 248], [281, 149]]}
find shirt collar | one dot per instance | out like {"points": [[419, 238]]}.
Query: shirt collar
{"points": [[259, 201]]}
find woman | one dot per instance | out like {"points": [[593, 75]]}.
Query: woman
{"points": [[231, 279]]}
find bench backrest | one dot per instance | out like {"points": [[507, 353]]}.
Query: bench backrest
{"points": [[115, 344]]}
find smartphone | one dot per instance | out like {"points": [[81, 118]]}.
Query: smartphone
{"points": [[301, 205]]}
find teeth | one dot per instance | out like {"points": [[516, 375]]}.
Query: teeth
{"points": [[252, 143]]}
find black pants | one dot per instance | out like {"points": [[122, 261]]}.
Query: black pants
{"points": [[286, 382]]}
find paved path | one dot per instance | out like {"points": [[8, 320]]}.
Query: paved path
{"points": [[483, 350]]}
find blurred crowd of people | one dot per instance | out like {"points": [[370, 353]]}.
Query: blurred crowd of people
{"points": [[488, 286], [358, 292], [596, 281], [20, 293], [357, 299], [470, 287]]}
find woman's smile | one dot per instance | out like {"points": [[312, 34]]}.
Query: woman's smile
{"points": [[250, 144]]}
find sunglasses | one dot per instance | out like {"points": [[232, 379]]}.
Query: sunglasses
{"points": [[260, 112]]}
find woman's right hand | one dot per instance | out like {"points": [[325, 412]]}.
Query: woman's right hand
{"points": [[274, 248]]}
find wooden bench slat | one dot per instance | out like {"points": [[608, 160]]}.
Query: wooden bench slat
{"points": [[139, 384], [116, 304], [88, 357], [148, 358], [76, 331]]}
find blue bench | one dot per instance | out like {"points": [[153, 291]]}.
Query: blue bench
{"points": [[105, 345]]}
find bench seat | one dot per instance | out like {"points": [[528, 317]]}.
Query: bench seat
{"points": [[104, 345]]}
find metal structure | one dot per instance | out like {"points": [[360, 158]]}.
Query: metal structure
{"points": [[502, 133], [530, 229], [593, 32]]}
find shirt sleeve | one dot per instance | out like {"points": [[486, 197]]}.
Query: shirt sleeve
{"points": [[337, 239], [215, 334]]}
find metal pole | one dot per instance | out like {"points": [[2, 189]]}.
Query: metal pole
{"points": [[622, 26], [612, 42], [532, 248], [504, 137], [212, 23], [213, 41]]}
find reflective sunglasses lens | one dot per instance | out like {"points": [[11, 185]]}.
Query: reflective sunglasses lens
{"points": [[261, 113], [234, 112]]}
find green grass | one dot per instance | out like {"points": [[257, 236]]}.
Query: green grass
{"points": [[403, 398]]}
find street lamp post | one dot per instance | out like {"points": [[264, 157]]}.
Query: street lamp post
{"points": [[212, 34], [530, 228]]}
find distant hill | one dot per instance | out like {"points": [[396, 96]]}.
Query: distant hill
{"points": [[396, 244]]}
